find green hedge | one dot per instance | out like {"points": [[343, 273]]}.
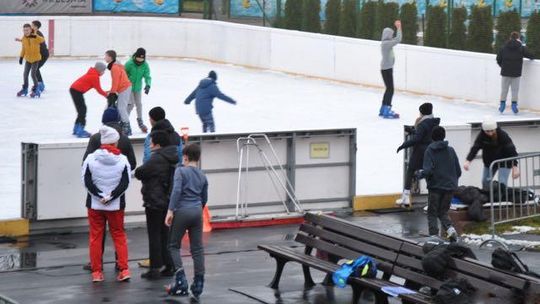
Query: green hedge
{"points": [[480, 38], [387, 14], [347, 20], [293, 15], [435, 34], [311, 20], [533, 34], [366, 22], [458, 32], [507, 23], [333, 10], [409, 22]]}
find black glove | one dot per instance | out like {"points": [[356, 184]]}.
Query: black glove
{"points": [[399, 148], [419, 174], [111, 99], [147, 89], [20, 60]]}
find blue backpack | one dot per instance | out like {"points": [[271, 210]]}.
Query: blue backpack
{"points": [[363, 266]]}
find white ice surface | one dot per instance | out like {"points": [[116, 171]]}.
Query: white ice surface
{"points": [[266, 101]]}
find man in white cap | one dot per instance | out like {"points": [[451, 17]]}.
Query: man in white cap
{"points": [[106, 176], [495, 144]]}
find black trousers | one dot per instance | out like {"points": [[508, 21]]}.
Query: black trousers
{"points": [[44, 58], [388, 78], [158, 238], [30, 69], [80, 106], [438, 206]]}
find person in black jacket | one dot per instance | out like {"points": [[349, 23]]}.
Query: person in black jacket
{"points": [[420, 138], [156, 176], [495, 144], [510, 59], [111, 118], [36, 25], [442, 171]]}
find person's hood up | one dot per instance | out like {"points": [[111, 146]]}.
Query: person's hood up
{"points": [[513, 44], [107, 158], [387, 34], [430, 120], [164, 125], [117, 126], [439, 145], [170, 153], [206, 82]]}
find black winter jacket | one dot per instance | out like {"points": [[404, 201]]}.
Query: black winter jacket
{"points": [[420, 140], [156, 176], [441, 167], [165, 125], [502, 147], [510, 58]]}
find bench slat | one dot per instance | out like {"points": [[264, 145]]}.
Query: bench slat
{"points": [[350, 243]]}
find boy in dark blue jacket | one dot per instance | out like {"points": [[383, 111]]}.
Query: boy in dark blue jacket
{"points": [[204, 96], [442, 171]]}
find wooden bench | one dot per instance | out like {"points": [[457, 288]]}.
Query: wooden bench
{"points": [[394, 257]]}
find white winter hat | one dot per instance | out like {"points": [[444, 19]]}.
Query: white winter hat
{"points": [[489, 124], [108, 135]]}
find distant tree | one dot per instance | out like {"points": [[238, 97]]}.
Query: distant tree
{"points": [[435, 34], [333, 11], [366, 21], [507, 23], [533, 34], [458, 32], [409, 23], [293, 15], [347, 20], [480, 37], [387, 14]]}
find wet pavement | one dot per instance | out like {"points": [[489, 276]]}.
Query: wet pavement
{"points": [[48, 268]]}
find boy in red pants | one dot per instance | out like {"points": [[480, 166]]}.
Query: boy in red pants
{"points": [[106, 176]]}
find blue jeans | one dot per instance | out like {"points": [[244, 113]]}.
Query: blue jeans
{"points": [[208, 122], [503, 176]]}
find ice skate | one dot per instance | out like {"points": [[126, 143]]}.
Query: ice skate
{"points": [[41, 86], [452, 234], [23, 92], [389, 114], [405, 200], [143, 128], [502, 107], [180, 285], [197, 286], [515, 108], [35, 92], [126, 128], [80, 132]]}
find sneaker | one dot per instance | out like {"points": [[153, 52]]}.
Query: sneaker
{"points": [[502, 107], [452, 234], [123, 275], [405, 200], [97, 276], [515, 107]]}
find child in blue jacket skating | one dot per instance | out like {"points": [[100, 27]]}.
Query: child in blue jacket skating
{"points": [[204, 96]]}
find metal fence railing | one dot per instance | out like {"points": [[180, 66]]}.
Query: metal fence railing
{"points": [[513, 196]]}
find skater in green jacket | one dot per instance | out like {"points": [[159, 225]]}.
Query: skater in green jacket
{"points": [[137, 68]]}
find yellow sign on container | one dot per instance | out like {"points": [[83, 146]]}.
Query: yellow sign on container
{"points": [[319, 150]]}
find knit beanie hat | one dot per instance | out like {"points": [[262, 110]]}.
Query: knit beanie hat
{"points": [[110, 115], [212, 75], [426, 108], [157, 113], [489, 124], [140, 53], [100, 66], [438, 133], [108, 135]]}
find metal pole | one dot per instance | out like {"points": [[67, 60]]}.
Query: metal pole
{"points": [[264, 12]]}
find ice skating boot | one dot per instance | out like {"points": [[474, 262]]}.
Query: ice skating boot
{"points": [[502, 106], [126, 128], [143, 128], [36, 93], [381, 111], [452, 234], [197, 286], [179, 287], [41, 86], [388, 113], [23, 92], [82, 133], [405, 200], [75, 129], [515, 108]]}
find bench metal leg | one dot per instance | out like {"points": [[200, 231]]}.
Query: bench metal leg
{"points": [[308, 280], [358, 293], [280, 264], [328, 280]]}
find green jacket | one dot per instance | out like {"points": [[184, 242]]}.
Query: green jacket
{"points": [[136, 73]]}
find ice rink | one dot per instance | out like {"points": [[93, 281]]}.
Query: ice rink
{"points": [[267, 101]]}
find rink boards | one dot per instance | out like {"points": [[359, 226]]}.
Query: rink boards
{"points": [[321, 165]]}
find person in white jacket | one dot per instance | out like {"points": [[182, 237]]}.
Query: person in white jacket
{"points": [[106, 176]]}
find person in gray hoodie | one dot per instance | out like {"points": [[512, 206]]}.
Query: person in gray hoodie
{"points": [[442, 172], [388, 41]]}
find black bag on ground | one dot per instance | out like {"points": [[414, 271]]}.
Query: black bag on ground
{"points": [[509, 261], [455, 292]]}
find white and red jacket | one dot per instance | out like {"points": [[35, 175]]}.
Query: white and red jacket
{"points": [[106, 174]]}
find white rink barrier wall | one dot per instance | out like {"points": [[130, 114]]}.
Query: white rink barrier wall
{"points": [[441, 72]]}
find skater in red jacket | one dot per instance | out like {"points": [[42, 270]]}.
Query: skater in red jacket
{"points": [[88, 81]]}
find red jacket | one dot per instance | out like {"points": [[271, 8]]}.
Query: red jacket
{"points": [[120, 79], [88, 81]]}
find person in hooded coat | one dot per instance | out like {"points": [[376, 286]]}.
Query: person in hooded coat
{"points": [[420, 138], [388, 41], [159, 122], [442, 171], [156, 175], [204, 96], [510, 59]]}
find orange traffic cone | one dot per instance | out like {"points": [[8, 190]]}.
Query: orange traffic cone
{"points": [[207, 227]]}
